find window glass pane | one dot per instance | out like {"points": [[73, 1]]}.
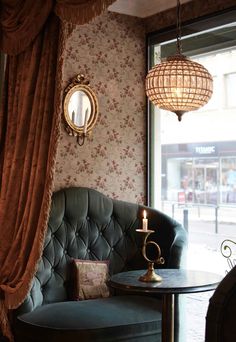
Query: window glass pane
{"points": [[230, 89], [197, 182], [228, 180], [208, 126]]}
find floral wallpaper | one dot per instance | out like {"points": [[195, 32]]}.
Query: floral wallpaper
{"points": [[110, 52]]}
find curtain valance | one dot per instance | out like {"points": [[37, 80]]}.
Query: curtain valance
{"points": [[22, 20], [80, 11]]}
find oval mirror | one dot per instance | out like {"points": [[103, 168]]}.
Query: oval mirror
{"points": [[80, 108]]}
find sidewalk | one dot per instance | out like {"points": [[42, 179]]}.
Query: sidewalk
{"points": [[205, 237], [203, 254], [196, 309]]}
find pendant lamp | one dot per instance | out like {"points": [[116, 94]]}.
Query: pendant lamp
{"points": [[178, 84]]}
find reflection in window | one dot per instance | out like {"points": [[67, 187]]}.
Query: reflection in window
{"points": [[230, 89], [228, 180]]}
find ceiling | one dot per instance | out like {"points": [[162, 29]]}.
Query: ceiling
{"points": [[142, 8]]}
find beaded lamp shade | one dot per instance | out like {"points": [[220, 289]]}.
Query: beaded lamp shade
{"points": [[179, 84]]}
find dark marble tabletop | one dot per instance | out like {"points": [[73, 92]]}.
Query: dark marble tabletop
{"points": [[173, 281]]}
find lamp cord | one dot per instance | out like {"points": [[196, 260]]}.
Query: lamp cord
{"points": [[178, 28]]}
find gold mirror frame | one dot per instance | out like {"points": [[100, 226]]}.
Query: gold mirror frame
{"points": [[80, 84]]}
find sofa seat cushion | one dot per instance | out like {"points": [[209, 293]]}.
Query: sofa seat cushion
{"points": [[118, 318]]}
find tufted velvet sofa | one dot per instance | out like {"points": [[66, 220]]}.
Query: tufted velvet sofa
{"points": [[85, 224]]}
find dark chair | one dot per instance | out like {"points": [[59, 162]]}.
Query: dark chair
{"points": [[221, 314]]}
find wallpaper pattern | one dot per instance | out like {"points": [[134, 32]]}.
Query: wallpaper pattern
{"points": [[110, 51]]}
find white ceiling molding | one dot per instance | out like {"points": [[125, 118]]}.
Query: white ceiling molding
{"points": [[142, 8]]}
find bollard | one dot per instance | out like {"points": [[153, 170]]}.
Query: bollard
{"points": [[185, 219]]}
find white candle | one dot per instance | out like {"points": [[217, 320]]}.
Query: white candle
{"points": [[86, 121], [145, 221]]}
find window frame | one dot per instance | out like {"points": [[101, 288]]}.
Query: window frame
{"points": [[189, 27]]}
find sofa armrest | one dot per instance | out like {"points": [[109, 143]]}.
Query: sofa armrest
{"points": [[178, 250]]}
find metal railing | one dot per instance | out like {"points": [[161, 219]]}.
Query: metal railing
{"points": [[185, 208]]}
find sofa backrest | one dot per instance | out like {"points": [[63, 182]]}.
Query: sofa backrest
{"points": [[85, 224]]}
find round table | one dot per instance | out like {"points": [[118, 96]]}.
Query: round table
{"points": [[174, 281]]}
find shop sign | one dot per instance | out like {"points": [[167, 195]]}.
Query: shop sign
{"points": [[205, 149], [208, 150], [220, 148]]}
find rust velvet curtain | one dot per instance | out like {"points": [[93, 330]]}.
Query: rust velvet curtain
{"points": [[28, 137], [31, 36]]}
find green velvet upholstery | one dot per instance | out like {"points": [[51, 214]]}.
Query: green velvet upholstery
{"points": [[112, 319], [85, 224]]}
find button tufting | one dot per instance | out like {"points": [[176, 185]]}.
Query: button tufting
{"points": [[87, 218], [100, 233], [65, 251], [88, 250]]}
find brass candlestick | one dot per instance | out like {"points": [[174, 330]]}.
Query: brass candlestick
{"points": [[150, 275]]}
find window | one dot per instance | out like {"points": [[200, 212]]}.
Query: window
{"points": [[230, 89], [228, 180], [192, 163], [212, 124]]}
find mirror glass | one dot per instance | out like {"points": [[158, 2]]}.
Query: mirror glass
{"points": [[79, 108]]}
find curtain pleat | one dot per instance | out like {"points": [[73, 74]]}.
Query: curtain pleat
{"points": [[28, 143], [22, 20]]}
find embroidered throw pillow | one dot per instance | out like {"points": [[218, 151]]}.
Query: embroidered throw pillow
{"points": [[90, 279]]}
